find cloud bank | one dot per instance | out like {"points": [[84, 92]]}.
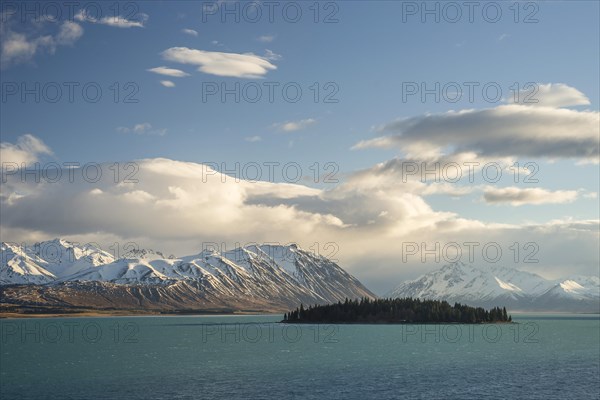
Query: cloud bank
{"points": [[503, 131], [364, 221]]}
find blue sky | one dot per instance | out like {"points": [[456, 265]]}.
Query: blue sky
{"points": [[367, 56]]}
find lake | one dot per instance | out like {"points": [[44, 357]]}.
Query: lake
{"points": [[544, 356]]}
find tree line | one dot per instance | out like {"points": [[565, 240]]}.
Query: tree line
{"points": [[404, 310]]}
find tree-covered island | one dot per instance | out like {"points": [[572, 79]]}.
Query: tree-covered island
{"points": [[390, 311]]}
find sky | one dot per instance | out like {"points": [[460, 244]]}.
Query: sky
{"points": [[385, 135]]}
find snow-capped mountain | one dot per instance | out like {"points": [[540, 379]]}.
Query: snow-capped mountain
{"points": [[275, 276], [20, 267], [501, 286], [46, 261]]}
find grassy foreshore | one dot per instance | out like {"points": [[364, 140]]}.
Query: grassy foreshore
{"points": [[12, 311]]}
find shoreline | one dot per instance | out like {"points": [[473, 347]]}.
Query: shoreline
{"points": [[397, 323], [200, 313], [92, 313], [4, 316]]}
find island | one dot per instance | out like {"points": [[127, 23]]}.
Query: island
{"points": [[395, 311]]}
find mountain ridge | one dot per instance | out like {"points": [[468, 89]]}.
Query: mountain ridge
{"points": [[503, 286], [267, 276], [263, 276]]}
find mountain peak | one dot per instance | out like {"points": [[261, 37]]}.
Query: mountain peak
{"points": [[498, 285], [144, 254], [58, 242]]}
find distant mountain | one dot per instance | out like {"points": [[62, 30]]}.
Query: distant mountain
{"points": [[60, 273], [501, 286]]}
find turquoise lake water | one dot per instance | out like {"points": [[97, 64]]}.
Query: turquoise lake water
{"points": [[254, 357]]}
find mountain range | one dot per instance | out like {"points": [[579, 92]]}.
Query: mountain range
{"points": [[59, 274], [502, 286], [62, 274]]}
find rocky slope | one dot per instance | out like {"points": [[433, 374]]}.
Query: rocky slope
{"points": [[62, 274]]}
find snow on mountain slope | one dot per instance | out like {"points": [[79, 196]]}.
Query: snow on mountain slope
{"points": [[280, 274], [527, 282], [577, 287], [265, 270], [19, 267], [496, 285], [146, 254], [459, 280], [124, 271], [47, 261], [64, 258]]}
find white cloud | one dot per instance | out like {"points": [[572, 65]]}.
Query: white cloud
{"points": [[17, 48], [553, 95], [221, 64], [266, 38], [504, 131], [175, 73], [271, 56], [520, 196], [292, 126], [27, 150], [114, 21], [167, 83], [69, 33], [144, 128], [190, 32], [253, 139]]}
